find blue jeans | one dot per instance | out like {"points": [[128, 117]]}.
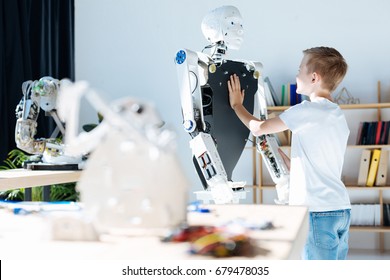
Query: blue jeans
{"points": [[328, 235]]}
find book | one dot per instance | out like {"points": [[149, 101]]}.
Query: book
{"points": [[288, 100], [386, 214], [283, 101], [293, 94], [378, 133], [382, 133], [370, 135], [359, 134], [273, 92], [373, 133], [365, 214], [268, 96], [364, 166], [385, 134], [363, 136], [373, 170], [381, 175]]}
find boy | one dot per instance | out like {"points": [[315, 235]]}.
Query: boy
{"points": [[319, 139]]}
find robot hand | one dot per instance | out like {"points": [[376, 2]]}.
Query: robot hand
{"points": [[24, 136]]}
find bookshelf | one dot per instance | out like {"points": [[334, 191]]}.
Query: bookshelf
{"points": [[380, 194]]}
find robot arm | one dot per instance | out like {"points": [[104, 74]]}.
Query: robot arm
{"points": [[190, 82], [192, 69], [36, 95], [131, 150], [268, 147], [134, 120]]}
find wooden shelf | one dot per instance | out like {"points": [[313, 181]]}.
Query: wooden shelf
{"points": [[370, 228], [251, 186], [343, 106], [268, 186], [368, 146], [364, 188], [366, 106], [349, 146]]}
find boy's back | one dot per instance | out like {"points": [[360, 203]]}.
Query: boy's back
{"points": [[320, 134]]}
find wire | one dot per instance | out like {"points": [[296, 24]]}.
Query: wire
{"points": [[196, 78], [208, 47]]}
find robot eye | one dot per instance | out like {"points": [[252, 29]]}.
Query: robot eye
{"points": [[137, 108]]}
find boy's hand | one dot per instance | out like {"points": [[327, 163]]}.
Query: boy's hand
{"points": [[236, 96]]}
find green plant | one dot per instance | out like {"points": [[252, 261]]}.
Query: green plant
{"points": [[58, 192], [14, 160], [88, 127]]}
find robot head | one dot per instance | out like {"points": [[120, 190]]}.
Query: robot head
{"points": [[46, 90], [224, 24]]}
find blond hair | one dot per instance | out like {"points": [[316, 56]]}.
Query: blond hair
{"points": [[329, 64]]}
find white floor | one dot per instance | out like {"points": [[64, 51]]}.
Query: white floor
{"points": [[363, 254]]}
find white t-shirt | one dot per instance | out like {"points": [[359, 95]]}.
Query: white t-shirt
{"points": [[319, 140]]}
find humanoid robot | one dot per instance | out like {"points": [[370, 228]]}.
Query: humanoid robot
{"points": [[218, 136], [132, 178], [41, 94]]}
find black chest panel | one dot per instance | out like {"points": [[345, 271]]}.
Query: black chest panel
{"points": [[227, 130]]}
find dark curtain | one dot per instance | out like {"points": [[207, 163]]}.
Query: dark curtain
{"points": [[36, 40]]}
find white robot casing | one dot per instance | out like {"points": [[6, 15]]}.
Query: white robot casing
{"points": [[222, 27], [132, 178]]}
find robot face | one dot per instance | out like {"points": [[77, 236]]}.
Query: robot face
{"points": [[46, 88], [233, 32], [48, 102], [224, 24]]}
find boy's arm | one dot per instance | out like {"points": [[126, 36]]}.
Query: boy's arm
{"points": [[256, 126]]}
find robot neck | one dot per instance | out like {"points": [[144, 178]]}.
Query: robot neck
{"points": [[220, 52]]}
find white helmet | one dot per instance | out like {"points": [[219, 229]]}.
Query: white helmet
{"points": [[224, 24]]}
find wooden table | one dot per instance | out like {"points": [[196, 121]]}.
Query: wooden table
{"points": [[25, 178], [31, 233]]}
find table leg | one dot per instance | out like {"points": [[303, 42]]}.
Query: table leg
{"points": [[46, 193], [27, 194]]}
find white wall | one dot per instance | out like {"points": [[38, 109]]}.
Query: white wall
{"points": [[127, 48]]}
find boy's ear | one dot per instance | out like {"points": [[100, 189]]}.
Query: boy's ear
{"points": [[314, 77]]}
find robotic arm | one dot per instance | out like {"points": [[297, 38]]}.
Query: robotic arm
{"points": [[192, 69], [268, 147], [37, 95], [132, 177]]}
